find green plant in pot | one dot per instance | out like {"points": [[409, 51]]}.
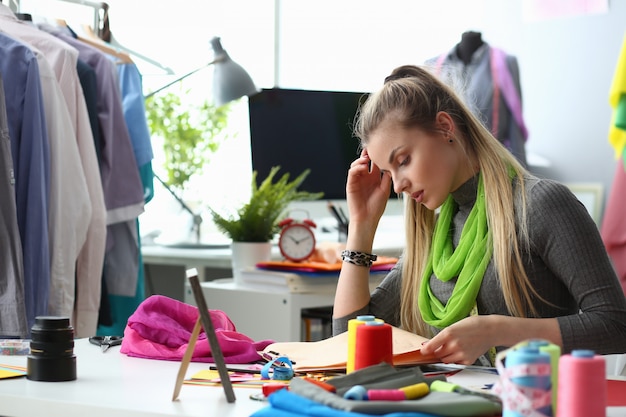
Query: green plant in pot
{"points": [[257, 220]]}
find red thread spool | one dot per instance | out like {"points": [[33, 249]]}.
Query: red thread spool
{"points": [[272, 387], [582, 385], [373, 344]]}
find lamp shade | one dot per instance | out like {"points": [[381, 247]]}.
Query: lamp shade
{"points": [[230, 80]]}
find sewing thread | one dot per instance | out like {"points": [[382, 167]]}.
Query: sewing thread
{"points": [[525, 382], [373, 344], [357, 392], [415, 391], [582, 388], [555, 354], [385, 395], [352, 325]]}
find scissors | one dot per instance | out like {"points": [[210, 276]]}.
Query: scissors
{"points": [[105, 342]]}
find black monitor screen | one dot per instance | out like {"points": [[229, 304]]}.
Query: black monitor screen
{"points": [[300, 129]]}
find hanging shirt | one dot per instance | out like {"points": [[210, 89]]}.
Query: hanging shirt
{"points": [[483, 95], [79, 221], [123, 190], [30, 153], [12, 307], [125, 256], [83, 308]]}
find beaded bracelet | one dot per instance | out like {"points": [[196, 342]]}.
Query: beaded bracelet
{"points": [[358, 258]]}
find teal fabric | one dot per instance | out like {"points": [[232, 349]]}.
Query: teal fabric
{"points": [[620, 113], [123, 307]]}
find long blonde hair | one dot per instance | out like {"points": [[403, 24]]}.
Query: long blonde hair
{"points": [[413, 96]]}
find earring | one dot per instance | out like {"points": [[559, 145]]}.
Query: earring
{"points": [[450, 140]]}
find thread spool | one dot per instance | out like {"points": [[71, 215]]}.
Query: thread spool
{"points": [[357, 392], [582, 385], [352, 325], [415, 391], [271, 387], [529, 391], [385, 395], [555, 354], [373, 344]]}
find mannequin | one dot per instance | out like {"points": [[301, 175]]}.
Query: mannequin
{"points": [[470, 66], [470, 42]]}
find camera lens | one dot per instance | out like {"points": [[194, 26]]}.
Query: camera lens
{"points": [[51, 350]]}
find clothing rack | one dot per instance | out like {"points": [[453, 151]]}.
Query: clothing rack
{"points": [[14, 5], [102, 30], [100, 14]]}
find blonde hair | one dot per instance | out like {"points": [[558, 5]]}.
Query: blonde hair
{"points": [[413, 96]]}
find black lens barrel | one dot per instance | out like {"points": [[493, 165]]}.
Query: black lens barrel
{"points": [[51, 350]]}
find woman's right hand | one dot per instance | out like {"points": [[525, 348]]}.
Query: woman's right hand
{"points": [[367, 191]]}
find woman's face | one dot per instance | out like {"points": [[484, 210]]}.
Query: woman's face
{"points": [[425, 166]]}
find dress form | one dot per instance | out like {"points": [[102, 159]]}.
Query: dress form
{"points": [[470, 42]]}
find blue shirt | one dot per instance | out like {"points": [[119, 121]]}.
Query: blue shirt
{"points": [[30, 151]]}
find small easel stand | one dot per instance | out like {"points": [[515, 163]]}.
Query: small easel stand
{"points": [[204, 320]]}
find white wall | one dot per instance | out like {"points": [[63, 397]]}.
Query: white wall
{"points": [[567, 67]]}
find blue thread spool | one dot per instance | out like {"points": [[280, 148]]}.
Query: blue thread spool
{"points": [[357, 393], [528, 355], [555, 354]]}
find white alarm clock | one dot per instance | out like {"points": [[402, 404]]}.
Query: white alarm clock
{"points": [[297, 239]]}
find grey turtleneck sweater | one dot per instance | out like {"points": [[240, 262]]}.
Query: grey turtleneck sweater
{"points": [[567, 265]]}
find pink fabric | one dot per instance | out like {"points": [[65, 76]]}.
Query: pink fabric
{"points": [[161, 327], [613, 228]]}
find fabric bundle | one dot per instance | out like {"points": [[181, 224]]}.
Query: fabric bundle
{"points": [[161, 327]]}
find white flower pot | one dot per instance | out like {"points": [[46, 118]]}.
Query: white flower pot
{"points": [[248, 254]]}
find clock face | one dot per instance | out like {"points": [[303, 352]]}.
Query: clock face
{"points": [[297, 242]]}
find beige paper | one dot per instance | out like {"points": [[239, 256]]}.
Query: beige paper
{"points": [[332, 353]]}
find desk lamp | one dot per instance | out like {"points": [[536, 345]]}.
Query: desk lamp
{"points": [[230, 82]]}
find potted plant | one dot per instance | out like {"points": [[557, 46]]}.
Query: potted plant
{"points": [[255, 223]]}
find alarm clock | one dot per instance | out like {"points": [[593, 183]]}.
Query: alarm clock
{"points": [[297, 239]]}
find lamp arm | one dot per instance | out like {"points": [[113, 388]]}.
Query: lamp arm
{"points": [[215, 61]]}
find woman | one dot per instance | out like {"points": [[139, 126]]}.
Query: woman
{"points": [[509, 257]]}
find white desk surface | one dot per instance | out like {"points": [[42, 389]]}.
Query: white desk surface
{"points": [[112, 384]]}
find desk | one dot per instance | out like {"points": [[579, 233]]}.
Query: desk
{"points": [[112, 384]]}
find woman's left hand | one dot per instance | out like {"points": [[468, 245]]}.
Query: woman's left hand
{"points": [[464, 341]]}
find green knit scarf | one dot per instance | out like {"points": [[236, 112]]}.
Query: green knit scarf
{"points": [[468, 262]]}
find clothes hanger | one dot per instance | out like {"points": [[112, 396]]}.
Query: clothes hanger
{"points": [[91, 39]]}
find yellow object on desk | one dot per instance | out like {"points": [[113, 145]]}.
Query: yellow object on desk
{"points": [[8, 371]]}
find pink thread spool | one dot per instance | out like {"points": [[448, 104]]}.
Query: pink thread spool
{"points": [[373, 344], [385, 395], [582, 385]]}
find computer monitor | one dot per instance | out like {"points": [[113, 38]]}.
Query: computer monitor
{"points": [[300, 129]]}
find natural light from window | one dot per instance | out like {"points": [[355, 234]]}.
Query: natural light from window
{"points": [[348, 45]]}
